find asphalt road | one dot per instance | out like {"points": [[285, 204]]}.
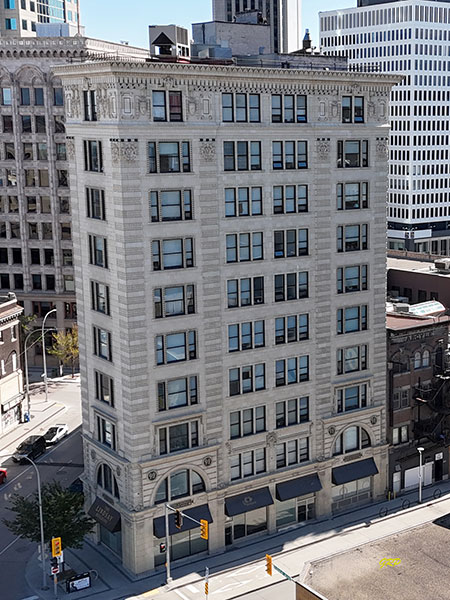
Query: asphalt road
{"points": [[62, 463]]}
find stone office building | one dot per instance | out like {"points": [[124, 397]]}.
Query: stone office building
{"points": [[36, 259], [229, 229]]}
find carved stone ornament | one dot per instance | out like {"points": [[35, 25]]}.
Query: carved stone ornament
{"points": [[130, 151], [152, 475], [331, 430], [323, 148], [115, 152], [373, 420], [271, 439], [208, 151], [207, 461], [118, 471], [70, 148], [93, 454], [382, 147], [228, 447]]}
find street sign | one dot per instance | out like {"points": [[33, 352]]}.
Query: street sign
{"points": [[78, 582], [282, 572], [55, 570], [56, 546]]}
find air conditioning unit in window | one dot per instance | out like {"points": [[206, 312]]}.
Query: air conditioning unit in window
{"points": [[443, 265]]}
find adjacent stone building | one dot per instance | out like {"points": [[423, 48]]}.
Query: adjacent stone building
{"points": [[36, 259], [11, 380], [418, 398], [229, 241]]}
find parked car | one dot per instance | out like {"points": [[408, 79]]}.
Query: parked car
{"points": [[56, 434], [32, 447], [3, 474]]}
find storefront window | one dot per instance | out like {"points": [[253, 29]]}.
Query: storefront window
{"points": [[246, 524], [295, 510], [112, 540], [351, 493], [182, 545]]}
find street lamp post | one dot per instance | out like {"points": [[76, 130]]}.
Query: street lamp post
{"points": [[420, 450], [41, 520], [43, 351], [27, 381]]}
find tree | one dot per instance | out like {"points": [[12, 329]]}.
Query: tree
{"points": [[63, 516], [26, 322], [65, 347]]}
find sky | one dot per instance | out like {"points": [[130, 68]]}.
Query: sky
{"points": [[116, 20]]}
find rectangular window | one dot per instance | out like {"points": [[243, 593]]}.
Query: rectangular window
{"points": [[247, 422], [289, 155], [243, 202], [352, 359], [173, 254], [245, 292], [245, 336], [353, 109], [292, 452], [173, 301], [352, 398], [400, 435], [171, 205], [169, 157], [352, 238], [159, 102], [176, 347], [352, 279], [291, 370], [98, 254], [244, 247], [60, 149], [11, 24], [243, 380], [351, 319], [38, 96], [289, 108], [178, 437], [93, 156], [39, 121], [6, 96], [60, 124], [90, 105], [292, 412], [58, 97], [175, 393], [104, 388], [26, 124], [25, 97], [8, 125], [294, 328], [102, 343], [290, 199], [247, 464], [106, 432], [36, 281], [100, 297], [95, 204], [289, 243], [353, 153], [240, 108], [242, 156], [351, 196], [291, 286]]}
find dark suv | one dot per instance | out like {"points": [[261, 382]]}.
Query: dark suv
{"points": [[32, 447]]}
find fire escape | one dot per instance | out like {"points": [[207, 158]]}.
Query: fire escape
{"points": [[433, 406]]}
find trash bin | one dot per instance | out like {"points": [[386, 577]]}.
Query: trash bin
{"points": [[26, 417]]}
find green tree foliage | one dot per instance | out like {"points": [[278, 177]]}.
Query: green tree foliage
{"points": [[63, 515], [26, 323], [65, 347]]}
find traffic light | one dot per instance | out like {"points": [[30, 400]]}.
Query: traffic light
{"points": [[178, 519], [203, 529], [162, 548], [54, 562], [56, 546], [268, 564]]}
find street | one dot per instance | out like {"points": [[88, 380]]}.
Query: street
{"points": [[62, 463]]}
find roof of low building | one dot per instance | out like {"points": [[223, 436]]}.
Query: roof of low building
{"points": [[399, 321]]}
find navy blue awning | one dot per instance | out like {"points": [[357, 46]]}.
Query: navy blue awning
{"points": [[106, 515], [298, 487], [198, 513], [242, 503], [354, 471]]}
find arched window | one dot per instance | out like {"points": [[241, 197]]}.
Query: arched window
{"points": [[353, 438], [107, 481], [417, 360], [426, 358], [178, 485]]}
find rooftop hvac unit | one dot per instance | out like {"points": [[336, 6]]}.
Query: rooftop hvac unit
{"points": [[442, 265]]}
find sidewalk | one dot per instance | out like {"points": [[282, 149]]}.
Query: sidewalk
{"points": [[41, 413], [292, 550]]}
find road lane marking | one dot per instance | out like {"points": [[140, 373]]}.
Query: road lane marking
{"points": [[192, 589], [10, 544], [31, 598], [181, 595]]}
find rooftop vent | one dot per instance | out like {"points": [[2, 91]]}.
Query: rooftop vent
{"points": [[443, 264]]}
